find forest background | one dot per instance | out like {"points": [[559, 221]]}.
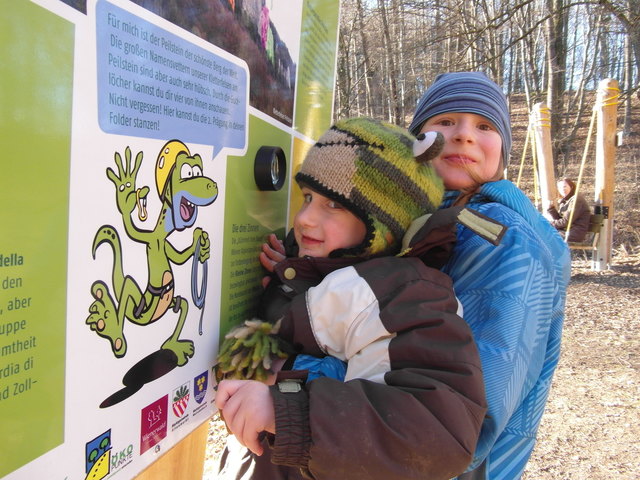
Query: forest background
{"points": [[553, 51], [557, 52], [550, 52]]}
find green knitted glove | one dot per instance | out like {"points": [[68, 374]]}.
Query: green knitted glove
{"points": [[248, 350]]}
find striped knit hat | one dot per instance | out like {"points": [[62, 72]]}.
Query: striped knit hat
{"points": [[369, 167], [466, 92]]}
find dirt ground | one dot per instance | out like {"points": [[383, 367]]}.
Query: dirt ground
{"points": [[591, 427]]}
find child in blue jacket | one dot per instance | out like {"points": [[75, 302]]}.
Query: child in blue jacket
{"points": [[513, 294]]}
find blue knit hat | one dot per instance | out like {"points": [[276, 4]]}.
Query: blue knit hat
{"points": [[466, 92]]}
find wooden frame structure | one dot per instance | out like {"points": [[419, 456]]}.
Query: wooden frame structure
{"points": [[601, 222]]}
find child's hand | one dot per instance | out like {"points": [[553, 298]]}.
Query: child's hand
{"points": [[247, 408], [272, 252]]}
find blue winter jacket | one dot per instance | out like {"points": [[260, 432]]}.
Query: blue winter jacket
{"points": [[513, 296]]}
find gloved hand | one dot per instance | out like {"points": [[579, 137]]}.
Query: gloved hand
{"points": [[248, 351]]}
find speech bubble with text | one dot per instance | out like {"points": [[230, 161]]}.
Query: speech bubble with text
{"points": [[154, 84]]}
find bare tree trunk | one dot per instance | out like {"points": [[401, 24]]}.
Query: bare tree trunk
{"points": [[628, 74], [343, 76], [437, 24], [354, 73], [366, 62], [525, 80], [398, 13], [556, 61], [393, 73], [628, 83]]}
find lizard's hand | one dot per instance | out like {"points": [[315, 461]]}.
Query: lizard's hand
{"points": [[125, 180], [201, 238]]}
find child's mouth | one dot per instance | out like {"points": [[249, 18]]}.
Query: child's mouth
{"points": [[459, 159], [309, 241]]}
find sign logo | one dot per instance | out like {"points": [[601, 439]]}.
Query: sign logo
{"points": [[180, 400], [98, 456], [153, 423], [200, 386], [122, 458]]}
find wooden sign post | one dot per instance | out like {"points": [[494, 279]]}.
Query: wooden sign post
{"points": [[184, 461], [607, 104], [541, 122]]}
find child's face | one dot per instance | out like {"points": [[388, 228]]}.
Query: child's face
{"points": [[472, 149], [323, 225], [563, 188]]}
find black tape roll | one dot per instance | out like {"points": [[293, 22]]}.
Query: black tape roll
{"points": [[270, 168]]}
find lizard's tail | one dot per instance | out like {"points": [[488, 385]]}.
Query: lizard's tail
{"points": [[108, 234]]}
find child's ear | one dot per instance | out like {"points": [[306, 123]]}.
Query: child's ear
{"points": [[427, 146]]}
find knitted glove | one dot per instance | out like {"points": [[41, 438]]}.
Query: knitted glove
{"points": [[248, 350]]}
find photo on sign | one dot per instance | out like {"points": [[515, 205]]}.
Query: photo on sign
{"points": [[80, 5], [265, 33]]}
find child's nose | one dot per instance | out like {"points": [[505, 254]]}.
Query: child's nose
{"points": [[463, 133], [308, 216]]}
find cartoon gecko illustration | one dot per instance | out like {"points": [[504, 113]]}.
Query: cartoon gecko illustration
{"points": [[182, 189]]}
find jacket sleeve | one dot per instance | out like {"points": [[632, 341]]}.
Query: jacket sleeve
{"points": [[413, 402], [563, 215], [513, 300], [553, 212]]}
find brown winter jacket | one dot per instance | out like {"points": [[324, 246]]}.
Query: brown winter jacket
{"points": [[579, 222], [412, 402]]}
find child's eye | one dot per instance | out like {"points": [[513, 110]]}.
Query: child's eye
{"points": [[486, 127], [335, 205], [445, 122], [307, 198]]}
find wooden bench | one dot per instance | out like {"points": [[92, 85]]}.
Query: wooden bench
{"points": [[593, 234]]}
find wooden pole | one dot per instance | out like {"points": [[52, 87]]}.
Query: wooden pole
{"points": [[607, 105], [185, 461], [541, 123]]}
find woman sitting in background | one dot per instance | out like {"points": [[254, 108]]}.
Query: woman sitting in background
{"points": [[560, 216]]}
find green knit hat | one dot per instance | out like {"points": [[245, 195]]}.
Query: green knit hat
{"points": [[369, 167]]}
